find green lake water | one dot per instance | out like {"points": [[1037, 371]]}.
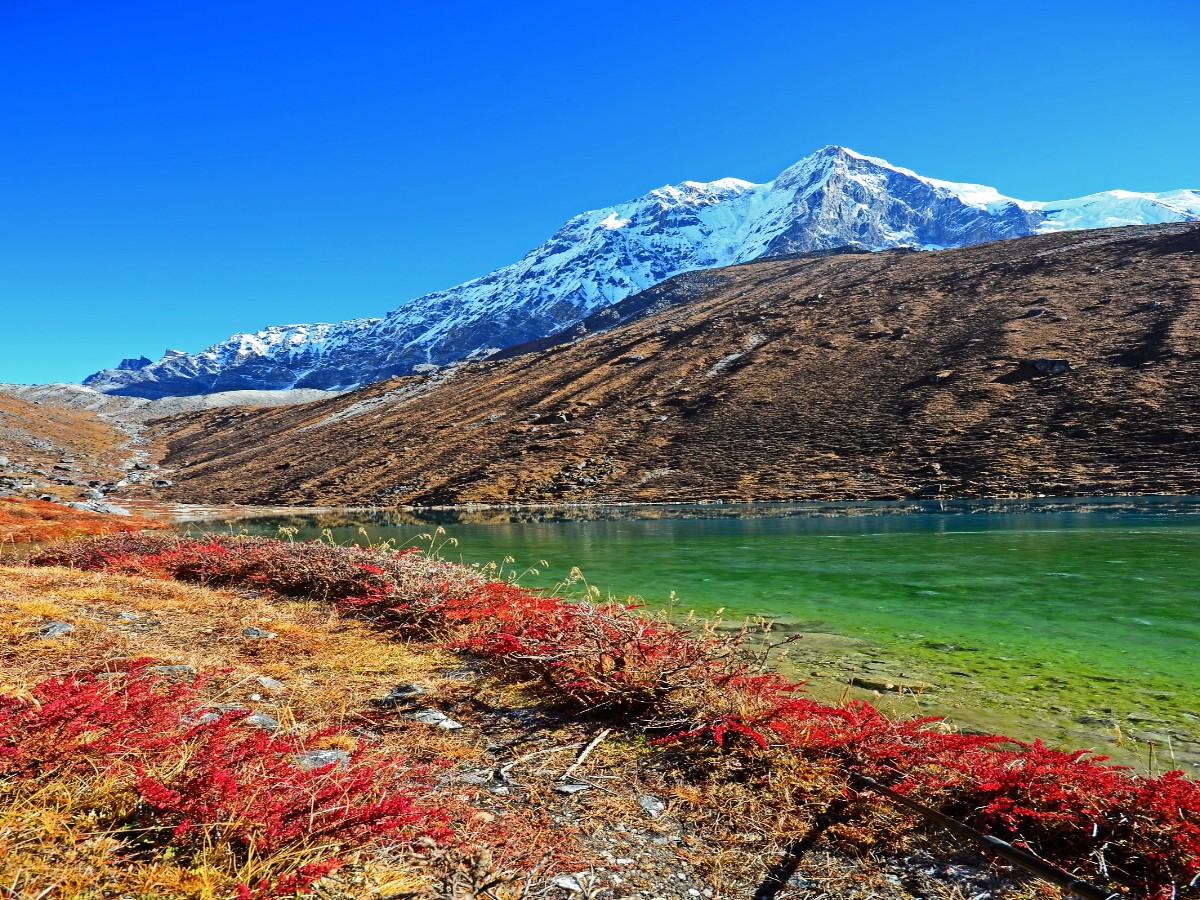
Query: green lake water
{"points": [[1074, 621]]}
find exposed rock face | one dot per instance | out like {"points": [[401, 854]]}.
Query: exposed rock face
{"points": [[835, 198], [861, 375]]}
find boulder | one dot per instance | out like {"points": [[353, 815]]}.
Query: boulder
{"points": [[1048, 366]]}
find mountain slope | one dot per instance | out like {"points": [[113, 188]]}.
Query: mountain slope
{"points": [[1056, 364], [834, 198]]}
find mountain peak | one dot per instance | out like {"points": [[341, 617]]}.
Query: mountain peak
{"points": [[836, 197]]}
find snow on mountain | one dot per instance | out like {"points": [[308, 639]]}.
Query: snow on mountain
{"points": [[834, 198]]}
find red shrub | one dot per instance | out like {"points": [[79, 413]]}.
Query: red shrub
{"points": [[251, 788], [80, 724], [1145, 833], [210, 781]]}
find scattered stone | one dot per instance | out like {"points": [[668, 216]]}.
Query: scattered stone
{"points": [[435, 717], [98, 506], [401, 695], [263, 721], [258, 634], [315, 759], [179, 671], [53, 630], [572, 787], [271, 684], [567, 883], [161, 482], [652, 805]]}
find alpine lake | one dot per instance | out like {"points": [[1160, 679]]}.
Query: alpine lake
{"points": [[1072, 621]]}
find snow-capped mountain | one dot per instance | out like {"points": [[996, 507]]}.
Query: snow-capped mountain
{"points": [[834, 198]]}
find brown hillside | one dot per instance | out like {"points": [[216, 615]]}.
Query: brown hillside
{"points": [[1055, 364], [54, 449]]}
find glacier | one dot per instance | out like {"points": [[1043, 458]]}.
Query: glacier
{"points": [[833, 198]]}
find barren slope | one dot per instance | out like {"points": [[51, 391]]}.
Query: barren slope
{"points": [[1053, 364]]}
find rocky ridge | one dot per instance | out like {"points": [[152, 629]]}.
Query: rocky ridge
{"points": [[1055, 364]]}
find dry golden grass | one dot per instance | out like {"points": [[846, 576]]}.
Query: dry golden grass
{"points": [[330, 668]]}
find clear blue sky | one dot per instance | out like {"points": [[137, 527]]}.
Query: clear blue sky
{"points": [[172, 173]]}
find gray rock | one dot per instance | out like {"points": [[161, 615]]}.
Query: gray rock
{"points": [[271, 684], [401, 694], [258, 634], [315, 759], [572, 787], [53, 630], [1048, 366], [437, 718], [98, 506], [263, 721], [567, 882], [205, 718], [652, 805]]}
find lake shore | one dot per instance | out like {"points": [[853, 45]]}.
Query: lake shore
{"points": [[683, 730]]}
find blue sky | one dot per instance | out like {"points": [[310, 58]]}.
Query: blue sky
{"points": [[173, 173]]}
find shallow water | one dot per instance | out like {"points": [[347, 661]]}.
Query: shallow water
{"points": [[1078, 622]]}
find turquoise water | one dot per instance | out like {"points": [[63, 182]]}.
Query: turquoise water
{"points": [[1060, 611]]}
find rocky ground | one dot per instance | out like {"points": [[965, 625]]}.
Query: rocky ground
{"points": [[1058, 364], [90, 451]]}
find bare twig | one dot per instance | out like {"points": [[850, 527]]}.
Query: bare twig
{"points": [[585, 754], [504, 770]]}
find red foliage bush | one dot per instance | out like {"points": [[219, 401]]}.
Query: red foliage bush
{"points": [[77, 725], [699, 691], [208, 782], [251, 787]]}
